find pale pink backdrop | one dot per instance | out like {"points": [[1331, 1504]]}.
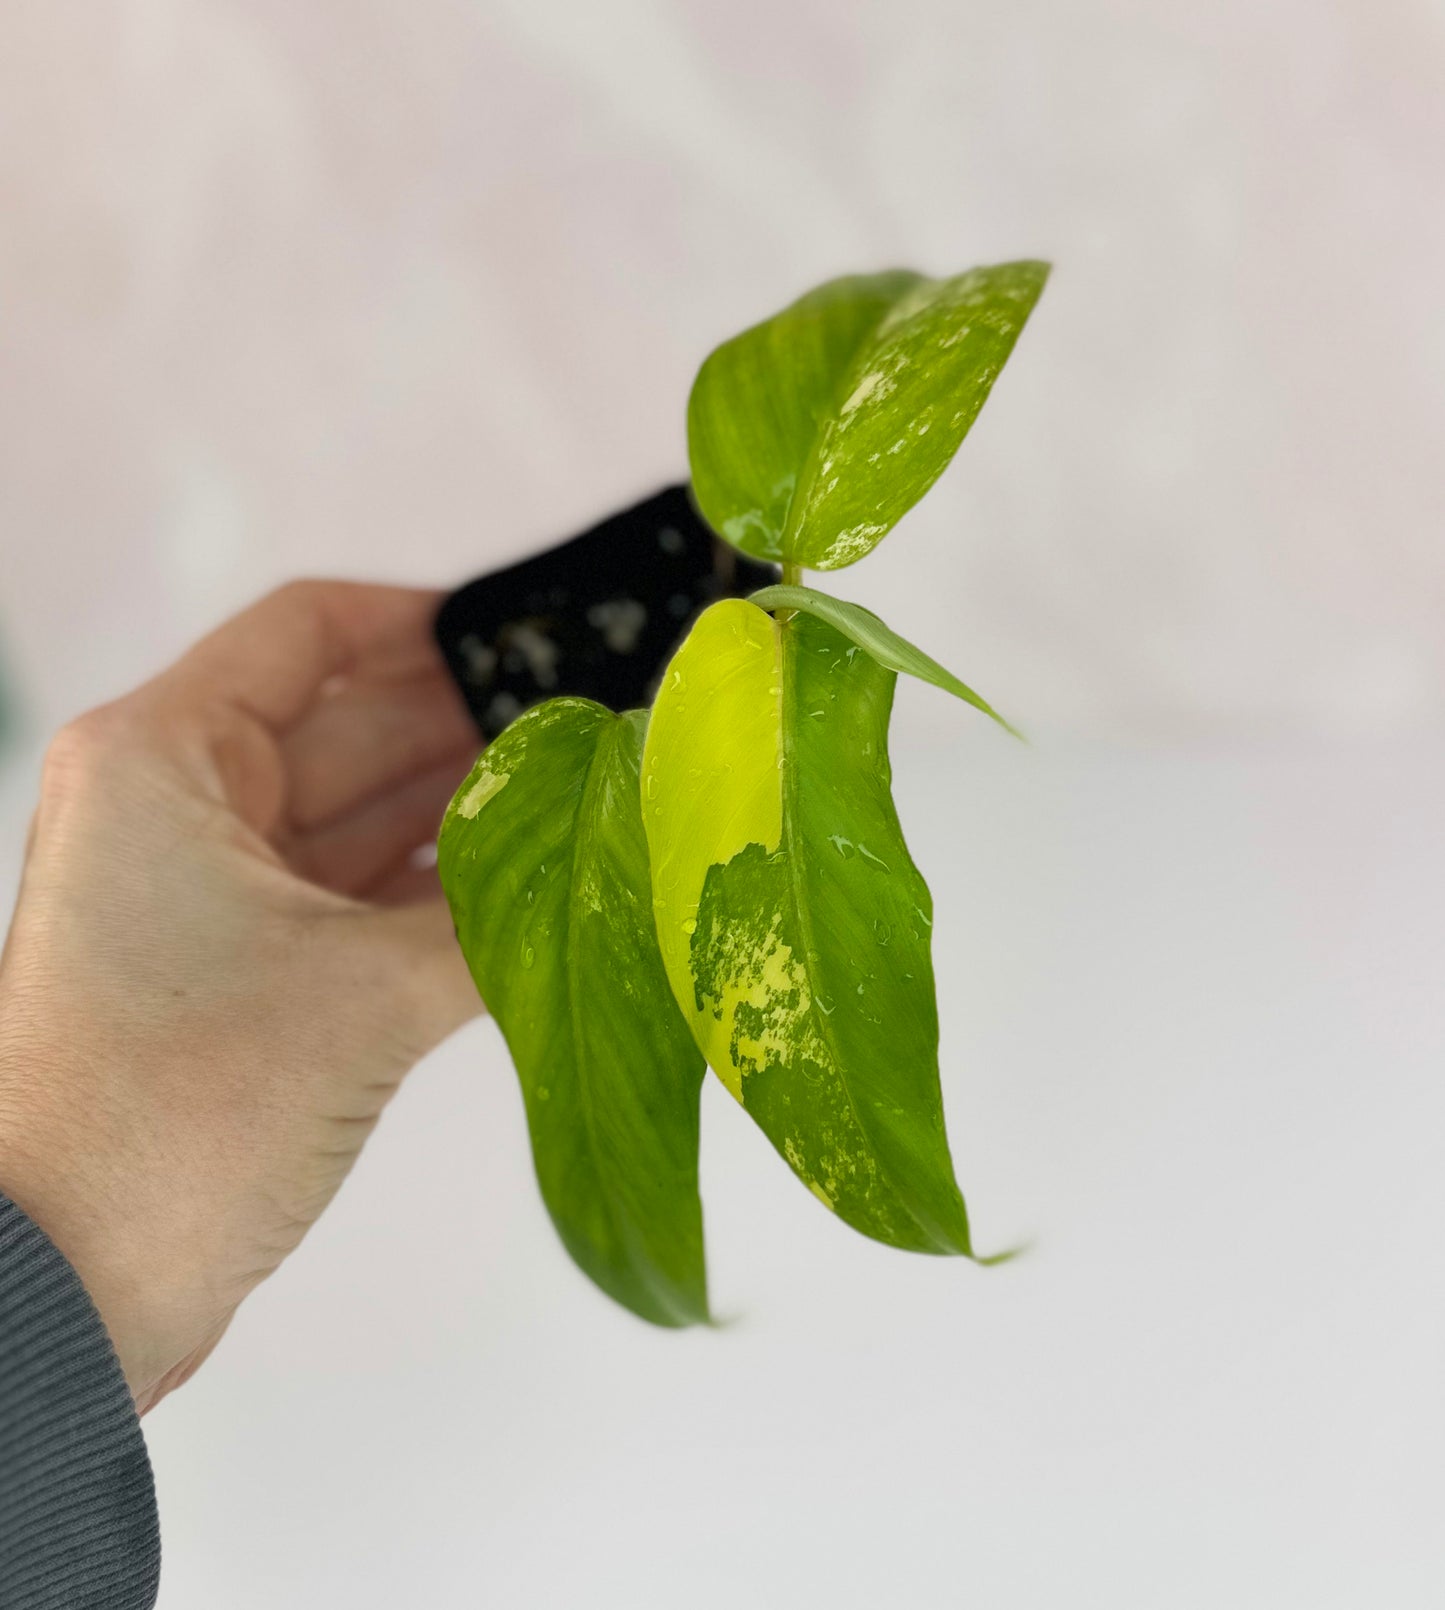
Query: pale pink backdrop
{"points": [[408, 286]]}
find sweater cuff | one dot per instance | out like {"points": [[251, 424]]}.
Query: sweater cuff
{"points": [[78, 1525]]}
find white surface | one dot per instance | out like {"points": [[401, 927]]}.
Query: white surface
{"points": [[1192, 1046], [407, 288], [1193, 1035]]}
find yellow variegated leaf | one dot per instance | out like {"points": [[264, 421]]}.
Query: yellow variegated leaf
{"points": [[792, 923]]}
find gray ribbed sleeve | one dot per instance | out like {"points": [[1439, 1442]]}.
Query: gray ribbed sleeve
{"points": [[78, 1528]]}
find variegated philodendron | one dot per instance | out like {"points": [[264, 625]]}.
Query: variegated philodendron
{"points": [[723, 881]]}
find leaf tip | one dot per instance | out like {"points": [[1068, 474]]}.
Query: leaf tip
{"points": [[996, 1259]]}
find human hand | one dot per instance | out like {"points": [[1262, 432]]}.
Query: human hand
{"points": [[223, 959]]}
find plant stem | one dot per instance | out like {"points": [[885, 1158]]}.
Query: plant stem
{"points": [[792, 573]]}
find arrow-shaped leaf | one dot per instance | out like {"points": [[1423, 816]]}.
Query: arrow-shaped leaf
{"points": [[793, 925], [544, 860], [810, 435]]}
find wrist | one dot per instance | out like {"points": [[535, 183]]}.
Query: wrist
{"points": [[51, 1175]]}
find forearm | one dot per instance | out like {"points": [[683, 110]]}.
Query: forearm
{"points": [[78, 1527]]}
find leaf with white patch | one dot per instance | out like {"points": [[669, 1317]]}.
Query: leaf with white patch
{"points": [[812, 434], [544, 861], [793, 924]]}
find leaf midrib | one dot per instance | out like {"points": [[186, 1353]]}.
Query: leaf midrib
{"points": [[803, 490]]}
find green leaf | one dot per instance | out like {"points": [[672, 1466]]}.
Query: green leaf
{"points": [[793, 925], [544, 860], [892, 652], [812, 434]]}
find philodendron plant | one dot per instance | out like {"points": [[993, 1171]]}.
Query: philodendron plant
{"points": [[722, 881]]}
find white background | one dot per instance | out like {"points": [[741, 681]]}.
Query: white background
{"points": [[410, 287]]}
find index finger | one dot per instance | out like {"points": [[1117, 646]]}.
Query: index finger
{"points": [[274, 658]]}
